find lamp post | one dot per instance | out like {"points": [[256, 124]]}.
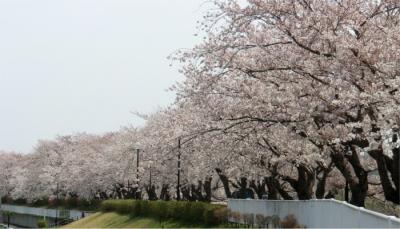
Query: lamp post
{"points": [[137, 167], [57, 200], [137, 149], [178, 191], [150, 183]]}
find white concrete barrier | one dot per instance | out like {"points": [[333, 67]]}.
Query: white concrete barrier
{"points": [[316, 213]]}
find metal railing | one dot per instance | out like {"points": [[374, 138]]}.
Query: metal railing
{"points": [[314, 213], [44, 212]]}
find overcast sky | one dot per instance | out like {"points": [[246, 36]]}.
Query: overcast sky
{"points": [[80, 65]]}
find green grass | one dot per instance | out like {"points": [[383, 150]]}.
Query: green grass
{"points": [[374, 204], [115, 220]]}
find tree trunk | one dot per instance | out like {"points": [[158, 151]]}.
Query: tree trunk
{"points": [[285, 195], [258, 187], [225, 182], [242, 192], [272, 190], [320, 191], [304, 183], [164, 195], [207, 189], [388, 165], [359, 181], [186, 193], [197, 191], [151, 192]]}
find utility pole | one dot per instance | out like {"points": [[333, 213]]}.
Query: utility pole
{"points": [[178, 191]]}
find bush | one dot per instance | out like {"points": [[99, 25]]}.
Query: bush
{"points": [[185, 211], [42, 223], [290, 222], [71, 203], [120, 206], [43, 201], [145, 208], [220, 215]]}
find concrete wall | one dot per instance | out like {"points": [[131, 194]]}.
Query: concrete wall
{"points": [[28, 216], [316, 213]]}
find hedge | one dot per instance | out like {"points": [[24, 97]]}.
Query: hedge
{"points": [[210, 214]]}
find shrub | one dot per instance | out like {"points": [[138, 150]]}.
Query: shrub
{"points": [[290, 222], [215, 215], [71, 202], [248, 219], [145, 208], [162, 208], [261, 220], [120, 206], [43, 201], [182, 210], [176, 210], [197, 211], [19, 201], [85, 204], [42, 223]]}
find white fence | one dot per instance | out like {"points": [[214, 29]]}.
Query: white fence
{"points": [[316, 213], [44, 212]]}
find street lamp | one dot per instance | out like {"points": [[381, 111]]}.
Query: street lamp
{"points": [[137, 149], [178, 191]]}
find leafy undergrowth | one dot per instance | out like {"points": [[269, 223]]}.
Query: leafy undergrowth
{"points": [[377, 205], [115, 220]]}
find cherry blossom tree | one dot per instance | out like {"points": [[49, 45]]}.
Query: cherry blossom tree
{"points": [[292, 99], [325, 70]]}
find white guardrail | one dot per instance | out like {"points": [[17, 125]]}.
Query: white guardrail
{"points": [[44, 212], [314, 213]]}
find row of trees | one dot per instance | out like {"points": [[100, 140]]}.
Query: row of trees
{"points": [[293, 99]]}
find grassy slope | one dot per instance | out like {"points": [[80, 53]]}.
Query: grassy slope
{"points": [[115, 220]]}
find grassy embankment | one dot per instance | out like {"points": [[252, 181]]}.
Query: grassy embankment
{"points": [[374, 204], [154, 214], [116, 220]]}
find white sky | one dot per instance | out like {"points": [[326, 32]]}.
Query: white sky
{"points": [[83, 65]]}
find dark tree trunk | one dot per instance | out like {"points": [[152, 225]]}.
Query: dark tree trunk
{"points": [[164, 194], [258, 187], [151, 192], [320, 191], [284, 194], [225, 182], [196, 191], [359, 182], [272, 189], [186, 193], [304, 183], [242, 191], [386, 166], [207, 189]]}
